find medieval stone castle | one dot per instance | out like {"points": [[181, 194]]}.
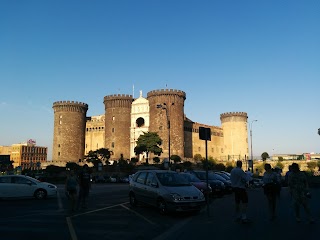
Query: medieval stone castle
{"points": [[126, 118]]}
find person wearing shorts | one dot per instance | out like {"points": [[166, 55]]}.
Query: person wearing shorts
{"points": [[238, 182]]}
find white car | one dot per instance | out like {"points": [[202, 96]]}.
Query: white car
{"points": [[19, 186]]}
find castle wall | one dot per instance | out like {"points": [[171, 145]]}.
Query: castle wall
{"points": [[172, 106], [117, 124], [95, 133], [69, 131], [118, 130], [235, 132], [193, 144]]}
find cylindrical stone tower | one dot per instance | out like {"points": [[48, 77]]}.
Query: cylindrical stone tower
{"points": [[117, 124], [69, 131], [235, 134], [168, 104]]}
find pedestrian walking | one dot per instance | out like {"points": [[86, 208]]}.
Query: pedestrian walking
{"points": [[286, 177], [271, 187], [239, 181], [249, 178], [299, 189], [71, 187], [84, 179]]}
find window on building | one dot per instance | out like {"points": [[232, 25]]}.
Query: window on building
{"points": [[140, 122], [113, 130], [112, 144], [199, 149], [113, 118], [58, 153], [58, 145]]}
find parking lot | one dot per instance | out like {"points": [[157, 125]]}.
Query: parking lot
{"points": [[110, 216]]}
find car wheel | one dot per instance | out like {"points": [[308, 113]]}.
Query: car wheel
{"points": [[162, 206], [40, 194], [133, 200]]}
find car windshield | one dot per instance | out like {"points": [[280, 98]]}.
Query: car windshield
{"points": [[172, 179]]}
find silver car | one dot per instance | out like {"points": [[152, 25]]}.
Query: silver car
{"points": [[166, 190]]}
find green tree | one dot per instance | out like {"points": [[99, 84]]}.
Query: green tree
{"points": [[104, 155], [197, 157], [187, 164], [156, 160], [264, 156], [280, 159], [280, 165], [220, 167], [101, 155], [176, 158], [148, 142], [72, 166], [311, 165], [134, 160]]}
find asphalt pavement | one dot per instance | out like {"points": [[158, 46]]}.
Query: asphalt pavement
{"points": [[217, 220]]}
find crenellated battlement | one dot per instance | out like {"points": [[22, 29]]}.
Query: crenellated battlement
{"points": [[233, 114], [70, 103], [160, 92], [70, 106], [118, 97]]}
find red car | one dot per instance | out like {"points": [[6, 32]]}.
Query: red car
{"points": [[202, 186]]}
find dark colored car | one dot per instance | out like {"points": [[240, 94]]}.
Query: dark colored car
{"points": [[195, 181], [224, 179], [218, 187], [223, 174]]}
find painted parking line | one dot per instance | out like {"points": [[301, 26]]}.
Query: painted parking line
{"points": [[138, 214], [98, 210], [71, 229]]}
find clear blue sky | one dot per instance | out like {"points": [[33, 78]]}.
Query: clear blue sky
{"points": [[259, 57]]}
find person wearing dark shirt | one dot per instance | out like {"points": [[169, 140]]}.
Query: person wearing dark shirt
{"points": [[84, 179]]}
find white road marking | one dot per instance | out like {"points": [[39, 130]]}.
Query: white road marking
{"points": [[98, 210], [138, 214], [71, 229]]}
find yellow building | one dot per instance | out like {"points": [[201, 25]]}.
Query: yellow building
{"points": [[26, 155]]}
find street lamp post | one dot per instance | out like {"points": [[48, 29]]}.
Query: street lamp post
{"points": [[165, 107], [251, 142]]}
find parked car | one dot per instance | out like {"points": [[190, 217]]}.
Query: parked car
{"points": [[99, 179], [19, 186], [218, 187], [195, 181], [224, 179], [167, 190], [223, 174]]}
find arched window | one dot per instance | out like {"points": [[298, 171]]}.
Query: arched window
{"points": [[140, 122]]}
